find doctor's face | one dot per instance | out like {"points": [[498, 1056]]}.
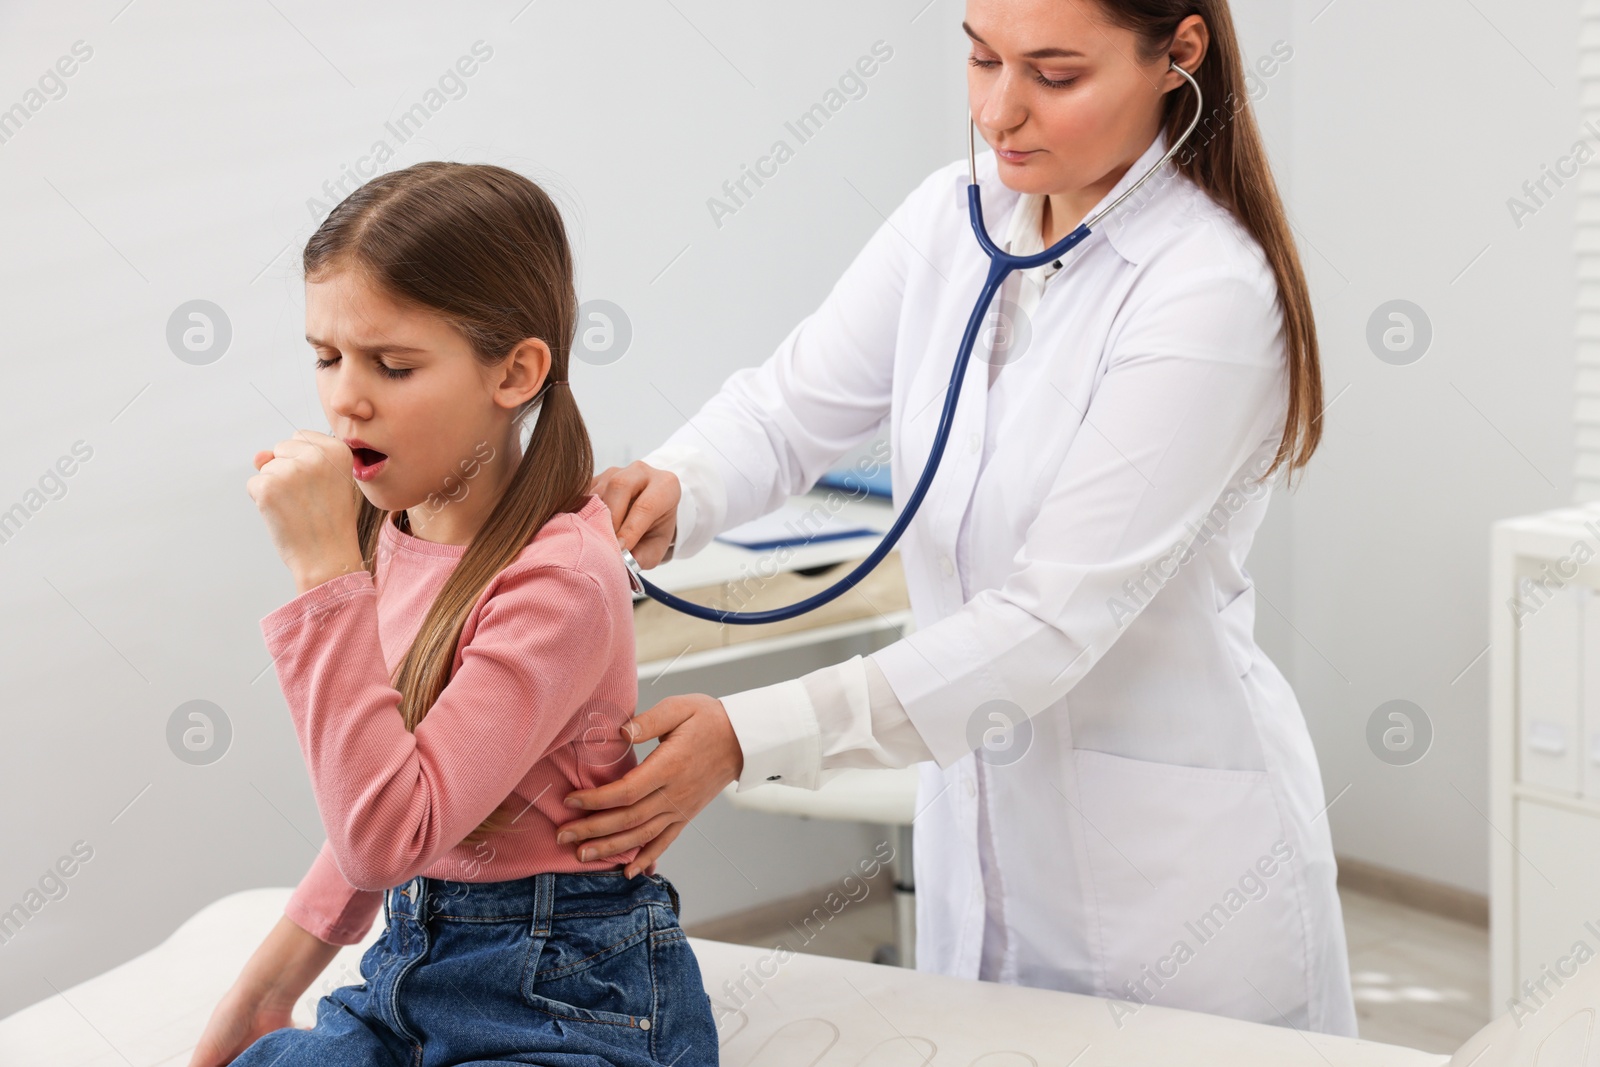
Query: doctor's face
{"points": [[1061, 93]]}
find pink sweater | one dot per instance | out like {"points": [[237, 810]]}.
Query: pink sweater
{"points": [[544, 674]]}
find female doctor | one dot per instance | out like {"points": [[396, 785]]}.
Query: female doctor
{"points": [[1151, 826]]}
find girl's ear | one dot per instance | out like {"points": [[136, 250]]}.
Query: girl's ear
{"points": [[525, 372]]}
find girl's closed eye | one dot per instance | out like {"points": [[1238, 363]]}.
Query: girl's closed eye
{"points": [[388, 371]]}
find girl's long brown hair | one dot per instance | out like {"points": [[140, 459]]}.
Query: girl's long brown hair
{"points": [[1225, 157], [485, 248]]}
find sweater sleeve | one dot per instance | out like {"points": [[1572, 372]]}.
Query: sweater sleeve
{"points": [[393, 801], [330, 908]]}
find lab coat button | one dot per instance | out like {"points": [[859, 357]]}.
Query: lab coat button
{"points": [[972, 788], [973, 443], [946, 566]]}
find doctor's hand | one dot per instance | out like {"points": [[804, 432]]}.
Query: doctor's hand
{"points": [[651, 804], [644, 509]]}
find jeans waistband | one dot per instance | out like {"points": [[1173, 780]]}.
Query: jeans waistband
{"points": [[537, 897]]}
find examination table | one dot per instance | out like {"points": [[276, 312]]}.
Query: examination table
{"points": [[802, 1010]]}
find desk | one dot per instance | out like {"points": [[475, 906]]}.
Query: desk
{"points": [[730, 577], [812, 1010]]}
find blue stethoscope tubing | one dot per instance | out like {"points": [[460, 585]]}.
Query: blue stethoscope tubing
{"points": [[1001, 264]]}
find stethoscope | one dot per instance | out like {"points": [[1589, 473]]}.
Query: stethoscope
{"points": [[1001, 264]]}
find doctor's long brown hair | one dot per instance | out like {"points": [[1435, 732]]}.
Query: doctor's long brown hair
{"points": [[1225, 157], [485, 248]]}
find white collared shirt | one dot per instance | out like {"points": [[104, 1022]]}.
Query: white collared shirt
{"points": [[824, 389]]}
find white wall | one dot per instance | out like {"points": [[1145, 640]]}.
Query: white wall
{"points": [[1412, 124], [177, 165]]}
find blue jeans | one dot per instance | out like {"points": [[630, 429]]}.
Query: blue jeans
{"points": [[585, 969]]}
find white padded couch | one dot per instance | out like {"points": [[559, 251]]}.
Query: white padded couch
{"points": [[149, 1012]]}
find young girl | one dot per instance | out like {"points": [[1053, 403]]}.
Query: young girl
{"points": [[460, 657]]}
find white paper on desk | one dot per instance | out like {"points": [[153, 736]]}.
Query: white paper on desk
{"points": [[798, 521]]}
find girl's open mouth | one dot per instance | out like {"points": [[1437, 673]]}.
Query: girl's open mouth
{"points": [[367, 462]]}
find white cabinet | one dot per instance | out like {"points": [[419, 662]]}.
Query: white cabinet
{"points": [[1550, 690], [1544, 745], [1588, 726], [1556, 889]]}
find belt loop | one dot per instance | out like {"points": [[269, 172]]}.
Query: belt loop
{"points": [[662, 882], [419, 898], [543, 903], [672, 891]]}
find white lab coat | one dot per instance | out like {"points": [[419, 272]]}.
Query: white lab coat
{"points": [[1162, 837]]}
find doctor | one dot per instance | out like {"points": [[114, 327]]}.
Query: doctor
{"points": [[1118, 793]]}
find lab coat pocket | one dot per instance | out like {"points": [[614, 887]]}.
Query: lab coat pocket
{"points": [[1195, 889]]}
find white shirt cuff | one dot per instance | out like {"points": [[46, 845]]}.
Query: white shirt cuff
{"points": [[777, 731], [804, 731]]}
